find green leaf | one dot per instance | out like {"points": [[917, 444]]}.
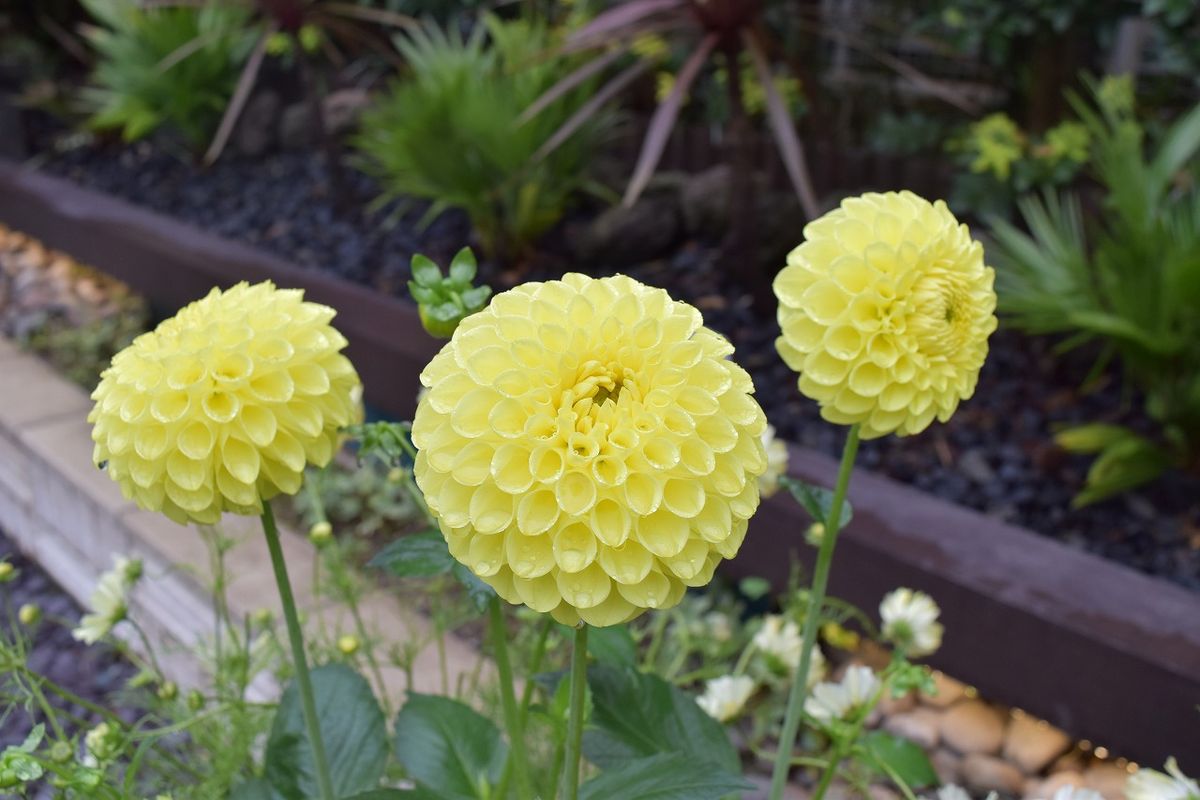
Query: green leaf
{"points": [[817, 501], [353, 731], [425, 272], [447, 746], [1122, 466], [478, 592], [666, 776], [395, 794], [422, 294], [476, 298], [637, 715], [417, 555], [899, 757], [255, 789], [1091, 438], [754, 587], [613, 645], [462, 268]]}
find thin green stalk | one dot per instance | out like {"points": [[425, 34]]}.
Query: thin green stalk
{"points": [[343, 582], [518, 758], [308, 703], [656, 638], [842, 749], [574, 745], [816, 598], [535, 666]]}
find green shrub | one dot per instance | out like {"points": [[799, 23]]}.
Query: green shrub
{"points": [[450, 132], [170, 66], [1128, 278]]}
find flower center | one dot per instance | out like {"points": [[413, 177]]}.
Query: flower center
{"points": [[939, 312]]}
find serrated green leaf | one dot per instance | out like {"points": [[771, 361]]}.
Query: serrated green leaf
{"points": [[462, 268], [816, 500], [478, 592], [255, 789], [447, 746], [425, 272], [667, 776], [353, 731], [396, 794], [895, 757], [637, 715], [417, 555]]}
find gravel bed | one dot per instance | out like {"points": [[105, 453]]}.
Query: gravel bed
{"points": [[97, 674], [996, 455]]}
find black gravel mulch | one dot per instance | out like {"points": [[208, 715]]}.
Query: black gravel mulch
{"points": [[996, 455]]}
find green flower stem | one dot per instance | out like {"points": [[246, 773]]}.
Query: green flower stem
{"points": [[296, 638], [816, 599], [517, 756], [570, 780], [535, 666]]}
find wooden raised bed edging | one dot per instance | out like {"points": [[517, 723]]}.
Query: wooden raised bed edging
{"points": [[1098, 649]]}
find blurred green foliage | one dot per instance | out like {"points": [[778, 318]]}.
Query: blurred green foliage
{"points": [[165, 66], [1126, 277], [451, 131]]}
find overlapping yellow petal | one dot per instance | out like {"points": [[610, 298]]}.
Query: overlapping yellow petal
{"points": [[588, 448], [885, 312], [223, 405]]}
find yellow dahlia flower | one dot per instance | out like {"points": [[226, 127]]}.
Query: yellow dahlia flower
{"points": [[223, 405], [885, 310], [588, 448]]}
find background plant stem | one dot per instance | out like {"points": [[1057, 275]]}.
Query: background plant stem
{"points": [[816, 598], [575, 715], [296, 637]]}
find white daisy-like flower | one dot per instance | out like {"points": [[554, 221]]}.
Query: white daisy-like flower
{"points": [[777, 462], [830, 701], [1076, 793], [725, 697], [910, 622], [109, 600], [1150, 784], [779, 639]]}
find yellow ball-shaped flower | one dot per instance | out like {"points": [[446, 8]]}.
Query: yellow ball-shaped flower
{"points": [[222, 406], [588, 448], [885, 310]]}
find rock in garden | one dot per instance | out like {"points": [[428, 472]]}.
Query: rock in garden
{"points": [[341, 110], [919, 726], [947, 765], [973, 726], [1032, 743], [1040, 790], [1107, 779], [897, 705], [949, 691], [983, 774], [255, 131], [625, 235]]}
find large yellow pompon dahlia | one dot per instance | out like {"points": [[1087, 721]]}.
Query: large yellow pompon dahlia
{"points": [[222, 406], [588, 448], [885, 310]]}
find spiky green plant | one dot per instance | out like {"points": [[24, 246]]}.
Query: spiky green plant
{"points": [[170, 67], [1127, 278]]}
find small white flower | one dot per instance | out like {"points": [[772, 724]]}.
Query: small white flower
{"points": [[830, 701], [910, 622], [1076, 793], [725, 697], [777, 462], [720, 628], [952, 791], [1149, 784], [780, 640], [108, 600]]}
